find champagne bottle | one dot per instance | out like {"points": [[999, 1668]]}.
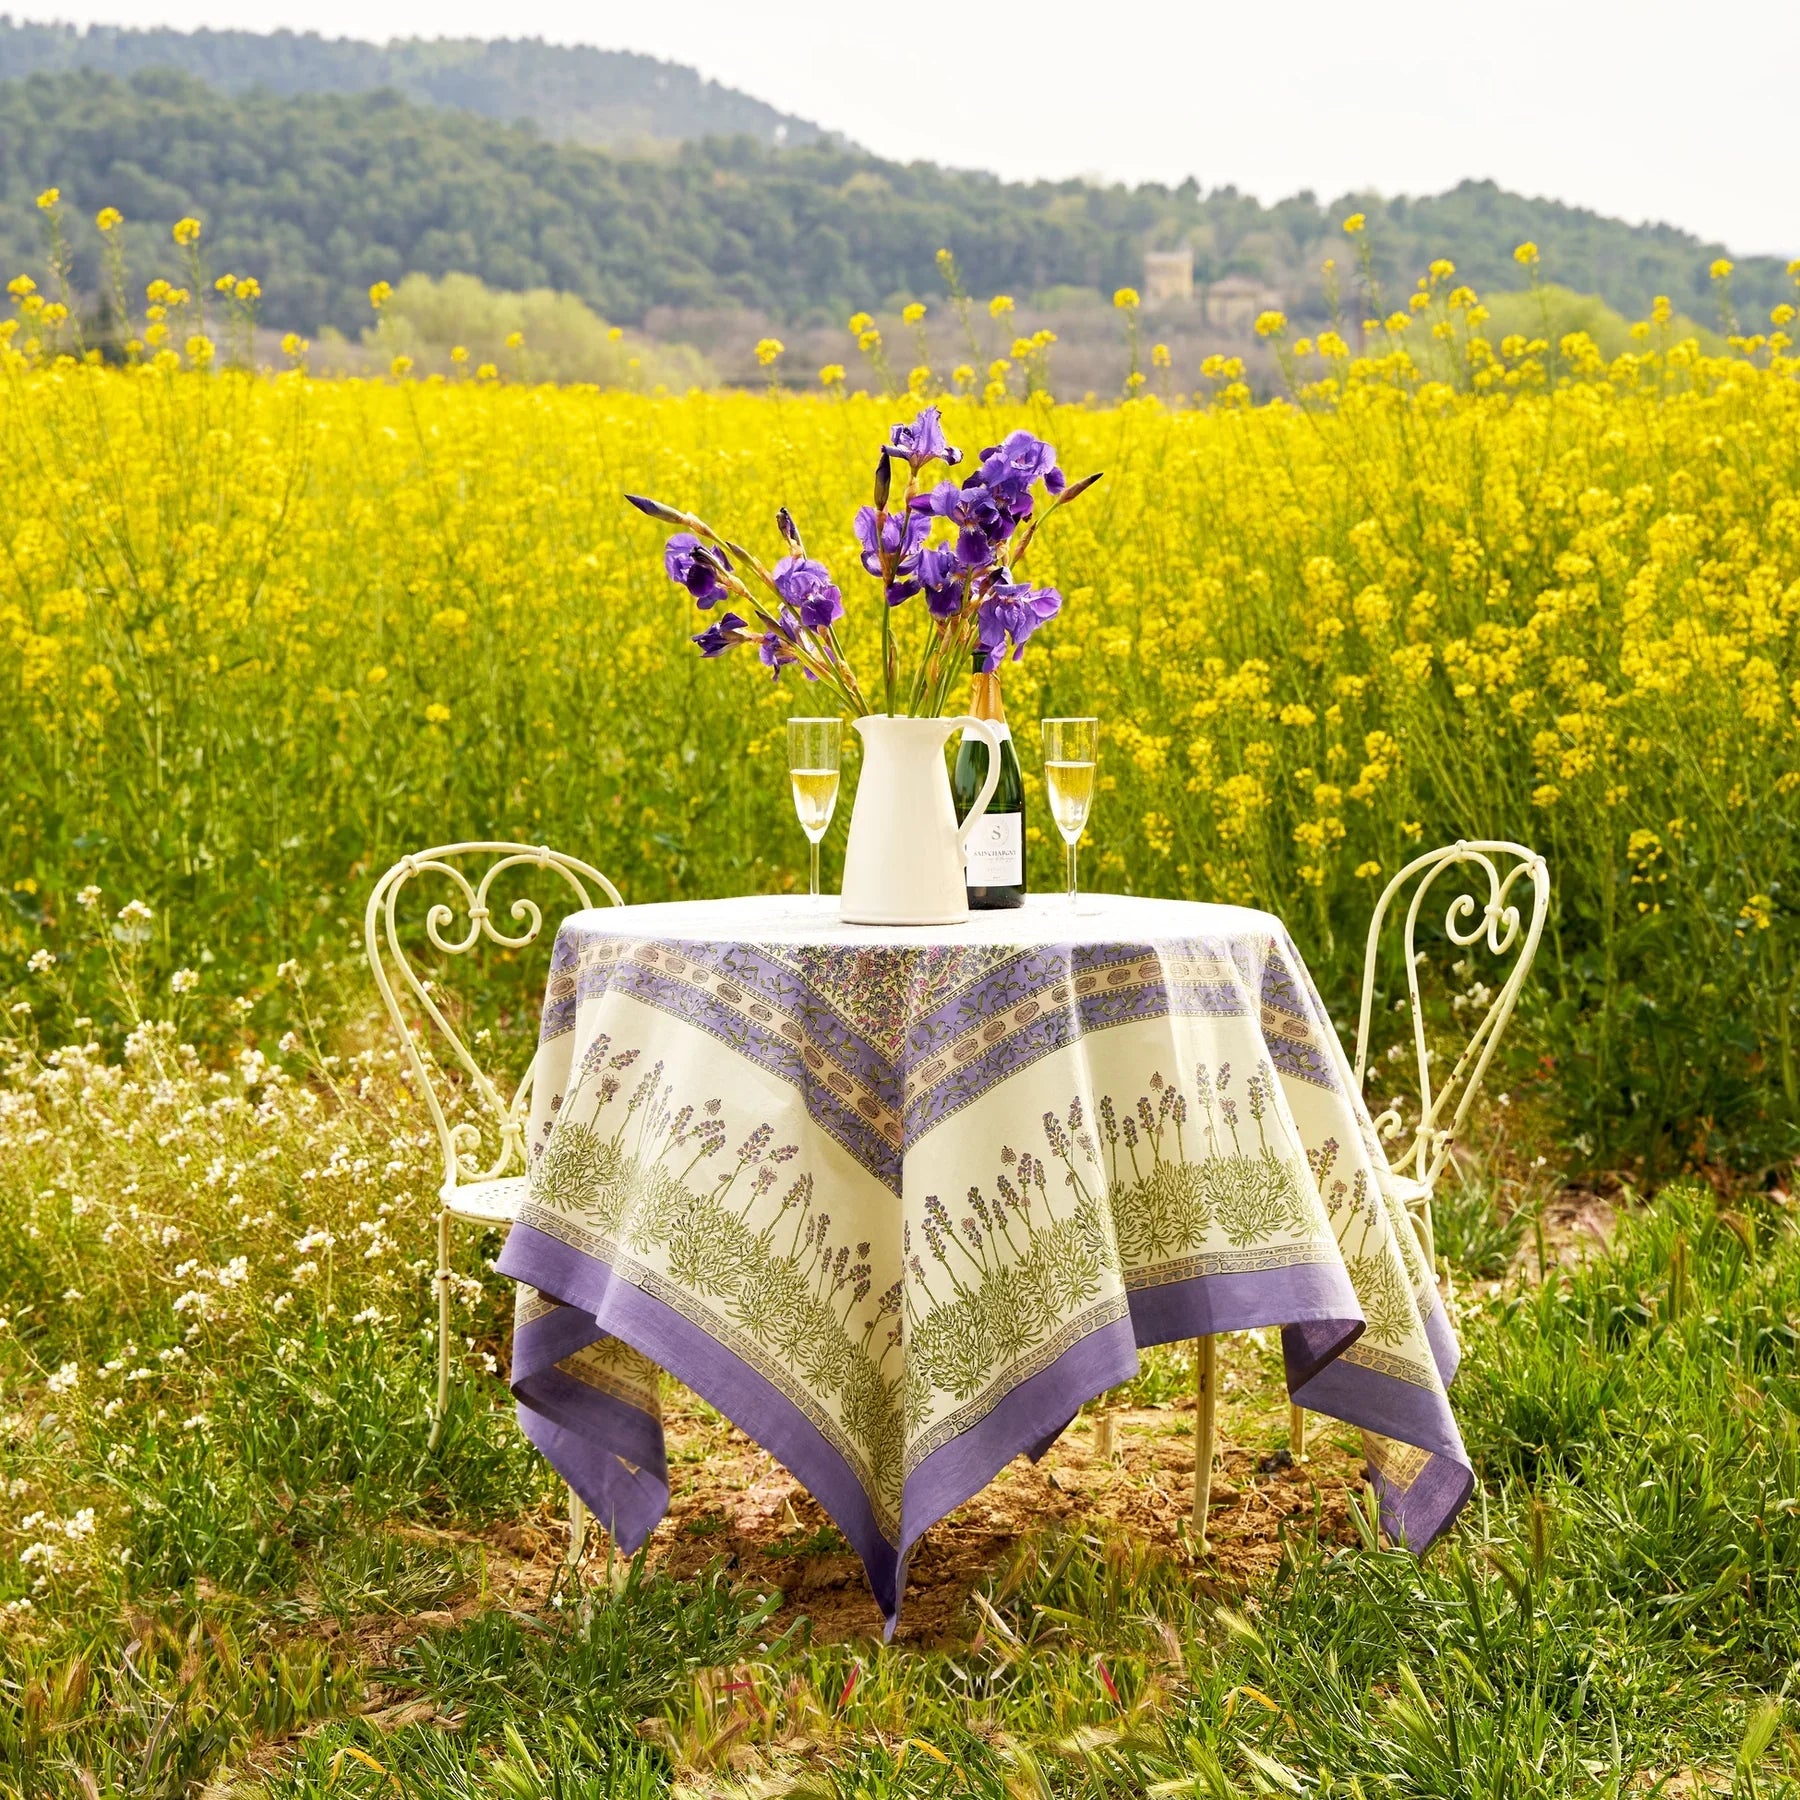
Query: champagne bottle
{"points": [[994, 862]]}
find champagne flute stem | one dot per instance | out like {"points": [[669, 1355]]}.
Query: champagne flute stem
{"points": [[813, 845], [1073, 843]]}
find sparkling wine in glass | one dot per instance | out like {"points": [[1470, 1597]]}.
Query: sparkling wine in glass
{"points": [[813, 746], [1070, 747]]}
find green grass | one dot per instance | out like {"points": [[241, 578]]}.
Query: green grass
{"points": [[263, 1600]]}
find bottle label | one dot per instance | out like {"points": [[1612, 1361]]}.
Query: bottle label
{"points": [[995, 856], [999, 727]]}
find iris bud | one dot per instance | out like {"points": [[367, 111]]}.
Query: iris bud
{"points": [[884, 481], [655, 508]]}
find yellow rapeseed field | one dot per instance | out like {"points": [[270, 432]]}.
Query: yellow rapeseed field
{"points": [[262, 632]]}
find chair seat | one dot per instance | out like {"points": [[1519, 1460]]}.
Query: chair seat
{"points": [[486, 1202], [1411, 1194]]}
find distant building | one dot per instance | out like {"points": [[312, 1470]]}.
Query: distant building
{"points": [[1168, 275], [1233, 303]]}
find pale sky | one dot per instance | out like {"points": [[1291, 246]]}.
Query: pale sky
{"points": [[1653, 111]]}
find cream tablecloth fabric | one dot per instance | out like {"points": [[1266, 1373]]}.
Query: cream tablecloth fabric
{"points": [[899, 1202]]}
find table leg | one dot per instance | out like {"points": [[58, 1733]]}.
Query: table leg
{"points": [[1206, 1404], [578, 1524], [1106, 1434]]}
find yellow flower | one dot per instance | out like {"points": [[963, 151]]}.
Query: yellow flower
{"points": [[380, 294], [1660, 309], [1355, 223], [200, 350], [1126, 299], [998, 368], [918, 379], [158, 290], [487, 372], [1720, 269], [1419, 302], [615, 333], [1366, 870], [459, 353], [1271, 324], [768, 349], [108, 218], [913, 313], [515, 340], [400, 366], [225, 283], [436, 713], [1782, 315], [20, 286], [1526, 254], [962, 374], [1758, 912], [1000, 306], [1330, 344], [1442, 269], [1303, 346], [293, 345], [248, 289], [869, 341], [1397, 322], [1159, 356], [55, 313], [48, 198], [859, 323], [185, 232], [831, 374]]}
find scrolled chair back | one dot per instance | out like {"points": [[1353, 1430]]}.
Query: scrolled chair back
{"points": [[456, 923], [1487, 915]]}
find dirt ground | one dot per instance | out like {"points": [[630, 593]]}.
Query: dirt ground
{"points": [[730, 1499]]}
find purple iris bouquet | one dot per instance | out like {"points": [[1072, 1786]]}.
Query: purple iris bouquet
{"points": [[955, 546]]}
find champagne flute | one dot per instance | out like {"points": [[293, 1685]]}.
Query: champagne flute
{"points": [[813, 746], [1070, 746]]}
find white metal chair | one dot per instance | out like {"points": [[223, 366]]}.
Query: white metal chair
{"points": [[484, 1179], [1495, 923]]}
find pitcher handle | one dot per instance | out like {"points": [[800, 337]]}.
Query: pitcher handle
{"points": [[993, 774]]}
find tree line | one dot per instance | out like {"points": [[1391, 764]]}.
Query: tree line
{"points": [[320, 194]]}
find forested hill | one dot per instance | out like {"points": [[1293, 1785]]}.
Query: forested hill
{"points": [[320, 194], [605, 97]]}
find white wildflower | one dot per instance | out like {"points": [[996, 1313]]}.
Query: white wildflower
{"points": [[184, 981], [41, 961], [65, 1378], [89, 897]]}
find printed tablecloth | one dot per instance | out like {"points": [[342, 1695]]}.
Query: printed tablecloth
{"points": [[898, 1203]]}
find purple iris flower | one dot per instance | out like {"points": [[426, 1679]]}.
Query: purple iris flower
{"points": [[807, 586], [1013, 611], [774, 653], [719, 636], [980, 524], [901, 536], [938, 571], [1008, 470], [695, 566], [923, 441]]}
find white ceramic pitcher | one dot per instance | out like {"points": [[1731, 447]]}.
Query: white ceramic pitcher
{"points": [[903, 864]]}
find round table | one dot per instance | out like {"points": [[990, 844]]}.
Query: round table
{"points": [[898, 1202]]}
